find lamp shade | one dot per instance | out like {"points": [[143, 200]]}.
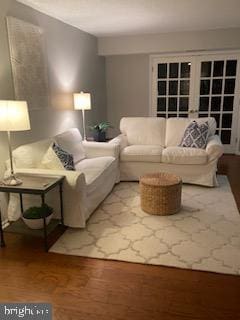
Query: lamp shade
{"points": [[14, 116], [82, 101]]}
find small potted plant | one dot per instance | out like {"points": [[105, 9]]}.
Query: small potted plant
{"points": [[33, 216], [99, 131]]}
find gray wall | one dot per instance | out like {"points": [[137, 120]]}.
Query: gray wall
{"points": [[73, 65], [170, 42], [127, 88]]}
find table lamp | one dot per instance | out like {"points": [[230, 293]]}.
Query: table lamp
{"points": [[13, 117], [82, 101]]}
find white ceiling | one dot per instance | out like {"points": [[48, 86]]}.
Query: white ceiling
{"points": [[128, 17]]}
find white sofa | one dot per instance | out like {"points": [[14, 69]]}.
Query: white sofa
{"points": [[83, 189], [151, 144]]}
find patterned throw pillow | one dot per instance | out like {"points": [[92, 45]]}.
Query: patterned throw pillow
{"points": [[195, 135], [65, 157]]}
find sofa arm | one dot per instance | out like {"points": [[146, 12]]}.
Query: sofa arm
{"points": [[214, 148], [121, 140], [100, 149], [72, 178]]}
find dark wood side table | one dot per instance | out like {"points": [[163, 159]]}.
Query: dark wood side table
{"points": [[35, 184]]}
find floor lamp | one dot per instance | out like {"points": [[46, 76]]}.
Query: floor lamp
{"points": [[13, 117], [82, 101]]}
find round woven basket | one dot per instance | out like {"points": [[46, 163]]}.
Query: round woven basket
{"points": [[160, 193]]}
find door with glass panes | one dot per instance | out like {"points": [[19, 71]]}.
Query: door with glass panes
{"points": [[199, 86]]}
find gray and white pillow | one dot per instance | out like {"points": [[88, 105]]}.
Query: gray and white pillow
{"points": [[195, 135], [65, 157]]}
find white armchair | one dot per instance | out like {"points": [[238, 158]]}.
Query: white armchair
{"points": [[83, 189]]}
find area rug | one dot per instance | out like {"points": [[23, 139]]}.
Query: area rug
{"points": [[204, 235]]}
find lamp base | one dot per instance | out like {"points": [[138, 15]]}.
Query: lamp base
{"points": [[12, 180]]}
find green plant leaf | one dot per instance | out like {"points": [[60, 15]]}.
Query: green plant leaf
{"points": [[101, 127], [38, 212]]}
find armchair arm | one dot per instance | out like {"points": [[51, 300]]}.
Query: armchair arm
{"points": [[100, 149], [214, 148], [121, 140]]}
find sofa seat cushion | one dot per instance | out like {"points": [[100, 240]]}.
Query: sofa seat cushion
{"points": [[96, 171], [181, 155], [142, 153]]}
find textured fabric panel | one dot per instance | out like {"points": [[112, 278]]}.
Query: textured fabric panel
{"points": [[181, 155], [175, 128], [71, 141], [195, 136], [65, 157], [141, 153], [144, 130]]}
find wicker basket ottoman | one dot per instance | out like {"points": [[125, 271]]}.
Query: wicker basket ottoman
{"points": [[160, 193]]}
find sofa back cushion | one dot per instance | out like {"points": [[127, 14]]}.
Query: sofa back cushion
{"points": [[175, 128], [71, 141], [144, 130], [30, 155]]}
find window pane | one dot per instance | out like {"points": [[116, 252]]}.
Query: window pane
{"points": [[204, 104], [226, 136], [217, 86], [206, 69], [184, 87], [183, 104], [216, 103], [227, 120], [173, 70], [183, 115], [173, 88], [162, 70], [161, 104], [205, 87], [217, 118], [231, 68], [172, 104], [218, 68], [185, 69], [228, 103], [229, 86], [203, 115], [162, 88]]}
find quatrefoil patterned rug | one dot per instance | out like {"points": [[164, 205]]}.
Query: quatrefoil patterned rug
{"points": [[205, 235]]}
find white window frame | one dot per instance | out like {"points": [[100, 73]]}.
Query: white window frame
{"points": [[211, 55]]}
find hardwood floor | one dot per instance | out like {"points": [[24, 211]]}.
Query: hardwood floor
{"points": [[82, 288]]}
